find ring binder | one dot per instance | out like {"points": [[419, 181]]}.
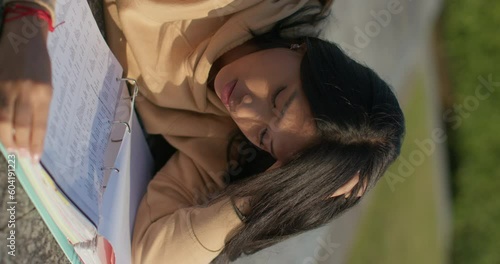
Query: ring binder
{"points": [[80, 209]]}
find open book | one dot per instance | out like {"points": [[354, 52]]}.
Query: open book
{"points": [[96, 164]]}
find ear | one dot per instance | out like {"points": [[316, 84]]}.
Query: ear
{"points": [[303, 48], [346, 188]]}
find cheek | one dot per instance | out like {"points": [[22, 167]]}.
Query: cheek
{"points": [[243, 64], [266, 66], [258, 66], [295, 120], [282, 62], [248, 130]]}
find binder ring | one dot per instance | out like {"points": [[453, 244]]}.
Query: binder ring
{"points": [[117, 140], [110, 168], [132, 103], [122, 122], [134, 83]]}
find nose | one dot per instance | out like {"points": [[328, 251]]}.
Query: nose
{"points": [[252, 114], [247, 99], [254, 107], [246, 108]]}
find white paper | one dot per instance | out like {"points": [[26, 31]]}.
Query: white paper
{"points": [[85, 97]]}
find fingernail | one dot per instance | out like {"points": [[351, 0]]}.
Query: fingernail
{"points": [[36, 159], [10, 150], [23, 153]]}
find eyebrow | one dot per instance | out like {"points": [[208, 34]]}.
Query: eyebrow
{"points": [[285, 108]]}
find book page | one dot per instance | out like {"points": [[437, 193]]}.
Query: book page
{"points": [[86, 93]]}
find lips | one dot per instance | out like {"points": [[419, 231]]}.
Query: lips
{"points": [[227, 90]]}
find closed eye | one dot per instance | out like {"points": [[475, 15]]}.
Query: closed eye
{"points": [[273, 100], [275, 95]]}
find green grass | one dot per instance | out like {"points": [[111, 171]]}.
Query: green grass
{"points": [[400, 223], [472, 45]]}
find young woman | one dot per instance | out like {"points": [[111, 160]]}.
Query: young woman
{"points": [[277, 131]]}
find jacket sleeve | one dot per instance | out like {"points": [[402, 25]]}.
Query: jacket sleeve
{"points": [[170, 227], [47, 4]]}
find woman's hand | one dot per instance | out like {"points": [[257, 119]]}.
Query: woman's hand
{"points": [[25, 85]]}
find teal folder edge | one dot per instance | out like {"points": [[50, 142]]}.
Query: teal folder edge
{"points": [[61, 239]]}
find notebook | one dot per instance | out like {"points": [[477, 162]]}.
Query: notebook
{"points": [[96, 163]]}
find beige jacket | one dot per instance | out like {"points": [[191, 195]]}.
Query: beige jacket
{"points": [[170, 45]]}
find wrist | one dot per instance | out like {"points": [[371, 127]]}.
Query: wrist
{"points": [[27, 26]]}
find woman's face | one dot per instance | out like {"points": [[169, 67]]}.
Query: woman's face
{"points": [[263, 93]]}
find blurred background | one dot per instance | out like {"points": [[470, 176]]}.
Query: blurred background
{"points": [[437, 203]]}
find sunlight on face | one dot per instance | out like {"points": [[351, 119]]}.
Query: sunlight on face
{"points": [[267, 101]]}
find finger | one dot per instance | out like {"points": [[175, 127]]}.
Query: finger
{"points": [[39, 128], [22, 124], [6, 119]]}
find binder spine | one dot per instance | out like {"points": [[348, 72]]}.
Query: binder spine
{"points": [[135, 93], [126, 123]]}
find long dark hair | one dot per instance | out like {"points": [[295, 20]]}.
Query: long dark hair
{"points": [[360, 127]]}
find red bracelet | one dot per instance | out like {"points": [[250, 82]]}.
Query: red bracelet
{"points": [[23, 11]]}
